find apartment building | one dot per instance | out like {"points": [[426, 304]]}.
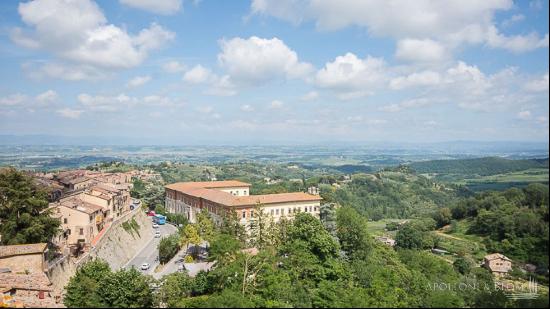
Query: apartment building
{"points": [[80, 222]]}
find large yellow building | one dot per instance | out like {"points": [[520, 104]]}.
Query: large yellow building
{"points": [[221, 197]]}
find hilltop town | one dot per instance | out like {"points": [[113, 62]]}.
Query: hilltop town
{"points": [[143, 219]]}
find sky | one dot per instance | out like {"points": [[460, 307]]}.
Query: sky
{"points": [[263, 71]]}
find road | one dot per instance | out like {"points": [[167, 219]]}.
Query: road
{"points": [[149, 253]]}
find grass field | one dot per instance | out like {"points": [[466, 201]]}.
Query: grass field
{"points": [[377, 228]]}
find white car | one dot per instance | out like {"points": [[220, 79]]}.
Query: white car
{"points": [[145, 266], [181, 267], [155, 226], [157, 234]]}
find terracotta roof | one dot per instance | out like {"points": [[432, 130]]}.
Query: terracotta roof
{"points": [[207, 184], [80, 205], [206, 190], [495, 256], [22, 249], [275, 198], [35, 281]]}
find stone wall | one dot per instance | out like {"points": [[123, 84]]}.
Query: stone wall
{"points": [[116, 247]]}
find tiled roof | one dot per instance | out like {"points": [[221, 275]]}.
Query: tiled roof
{"points": [[495, 256], [80, 205], [6, 251], [207, 184], [206, 190], [35, 281]]}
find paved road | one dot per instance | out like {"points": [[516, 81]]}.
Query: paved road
{"points": [[149, 254]]}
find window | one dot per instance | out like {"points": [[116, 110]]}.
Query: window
{"points": [[65, 220], [272, 212], [244, 214], [81, 231], [277, 211]]}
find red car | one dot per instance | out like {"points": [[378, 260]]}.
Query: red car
{"points": [[151, 213]]}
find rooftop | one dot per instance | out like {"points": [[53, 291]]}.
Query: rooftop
{"points": [[12, 250], [80, 205], [36, 281], [205, 191], [495, 256]]}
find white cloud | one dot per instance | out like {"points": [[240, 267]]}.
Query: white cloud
{"points": [[424, 78], [512, 20], [174, 67], [247, 108], [256, 60], [138, 81], [79, 32], [350, 76], [47, 97], [70, 113], [63, 71], [451, 23], [276, 104], [420, 50], [516, 43], [197, 75], [13, 100], [412, 103], [112, 103], [524, 115], [310, 96], [205, 109], [217, 85], [163, 7], [538, 85]]}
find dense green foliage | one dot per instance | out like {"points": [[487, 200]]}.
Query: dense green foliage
{"points": [[390, 195], [24, 217], [479, 166], [515, 222], [168, 247], [95, 286]]}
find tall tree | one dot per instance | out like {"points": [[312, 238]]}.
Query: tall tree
{"points": [[24, 214]]}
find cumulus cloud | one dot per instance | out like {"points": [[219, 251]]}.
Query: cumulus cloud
{"points": [[13, 99], [256, 60], [138, 81], [70, 113], [78, 31], [47, 97], [217, 85], [450, 23], [17, 100], [420, 50], [112, 103], [163, 7], [424, 78], [310, 96], [412, 103], [516, 43], [198, 74], [174, 67], [351, 76], [64, 71], [538, 84]]}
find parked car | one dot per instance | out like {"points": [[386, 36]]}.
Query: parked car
{"points": [[157, 234], [181, 267], [145, 266], [155, 226]]}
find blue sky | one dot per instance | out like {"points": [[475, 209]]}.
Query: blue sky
{"points": [[280, 71]]}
